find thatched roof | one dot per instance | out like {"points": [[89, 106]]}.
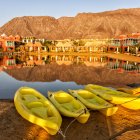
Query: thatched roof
{"points": [[96, 43], [68, 44], [88, 44], [11, 36], [59, 44], [36, 44]]}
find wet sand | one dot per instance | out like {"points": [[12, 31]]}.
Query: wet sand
{"points": [[124, 125]]}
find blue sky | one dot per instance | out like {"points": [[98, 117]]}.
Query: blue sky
{"points": [[57, 8]]}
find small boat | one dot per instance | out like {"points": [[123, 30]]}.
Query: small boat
{"points": [[116, 97], [69, 106], [133, 91], [37, 109], [94, 102]]}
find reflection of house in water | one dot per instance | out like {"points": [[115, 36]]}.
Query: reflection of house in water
{"points": [[87, 60], [8, 62], [33, 61], [122, 65], [95, 61], [1, 68], [61, 59], [90, 60]]}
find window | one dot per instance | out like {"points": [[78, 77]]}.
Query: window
{"points": [[9, 43]]}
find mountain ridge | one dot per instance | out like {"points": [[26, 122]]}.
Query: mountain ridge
{"points": [[105, 24]]}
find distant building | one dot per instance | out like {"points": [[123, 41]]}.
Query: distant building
{"points": [[32, 39], [95, 45], [34, 47], [7, 43], [123, 42]]}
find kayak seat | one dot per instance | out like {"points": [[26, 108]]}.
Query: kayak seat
{"points": [[40, 112], [29, 98], [27, 91], [34, 104], [72, 106], [93, 101], [68, 106], [85, 95], [61, 97], [53, 118]]}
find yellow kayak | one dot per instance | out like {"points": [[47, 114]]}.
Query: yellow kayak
{"points": [[116, 97], [69, 106], [94, 102], [37, 109], [133, 91]]}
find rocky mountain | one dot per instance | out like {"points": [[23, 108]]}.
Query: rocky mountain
{"points": [[84, 25]]}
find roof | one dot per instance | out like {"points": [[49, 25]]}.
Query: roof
{"points": [[59, 44], [68, 44], [88, 44], [36, 44], [18, 36], [4, 35], [133, 35]]}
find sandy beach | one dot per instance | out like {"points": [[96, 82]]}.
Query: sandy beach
{"points": [[124, 125]]}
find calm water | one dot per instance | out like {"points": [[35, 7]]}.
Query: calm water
{"points": [[9, 84]]}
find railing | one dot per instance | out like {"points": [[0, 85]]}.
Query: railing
{"points": [[126, 67]]}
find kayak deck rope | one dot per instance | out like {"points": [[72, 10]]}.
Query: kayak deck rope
{"points": [[61, 133], [84, 111], [64, 134]]}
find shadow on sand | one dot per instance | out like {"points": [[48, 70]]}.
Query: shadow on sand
{"points": [[13, 126], [98, 127], [122, 122]]}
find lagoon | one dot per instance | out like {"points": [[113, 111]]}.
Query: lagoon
{"points": [[62, 72]]}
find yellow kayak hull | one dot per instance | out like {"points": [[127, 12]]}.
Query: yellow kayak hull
{"points": [[133, 91], [116, 97], [69, 106], [37, 109], [94, 102]]}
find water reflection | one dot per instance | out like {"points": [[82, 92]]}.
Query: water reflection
{"points": [[18, 61], [9, 85], [61, 72]]}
